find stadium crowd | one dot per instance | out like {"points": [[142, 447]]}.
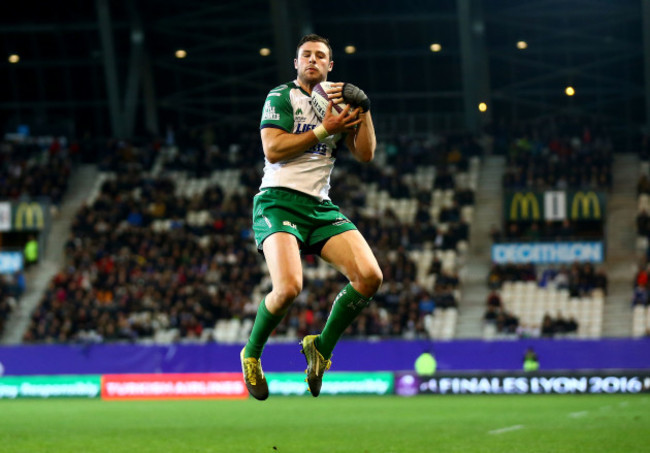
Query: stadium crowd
{"points": [[35, 168], [640, 298], [579, 280], [138, 261], [11, 288], [556, 153], [31, 168]]}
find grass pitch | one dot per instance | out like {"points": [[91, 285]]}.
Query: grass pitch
{"points": [[527, 423]]}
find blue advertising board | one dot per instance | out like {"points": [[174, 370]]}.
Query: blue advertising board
{"points": [[548, 252], [11, 262]]}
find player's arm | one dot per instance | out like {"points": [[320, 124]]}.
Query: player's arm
{"points": [[280, 145], [362, 141]]}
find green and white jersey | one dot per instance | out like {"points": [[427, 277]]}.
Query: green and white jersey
{"points": [[288, 107]]}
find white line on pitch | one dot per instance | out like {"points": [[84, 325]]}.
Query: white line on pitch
{"points": [[578, 414], [506, 429]]}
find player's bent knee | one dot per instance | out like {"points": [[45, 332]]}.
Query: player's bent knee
{"points": [[370, 282], [376, 280], [287, 292]]}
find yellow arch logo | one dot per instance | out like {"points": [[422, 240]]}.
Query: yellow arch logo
{"points": [[525, 202], [29, 216], [585, 199]]}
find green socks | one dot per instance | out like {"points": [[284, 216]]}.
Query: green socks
{"points": [[347, 305], [265, 323]]}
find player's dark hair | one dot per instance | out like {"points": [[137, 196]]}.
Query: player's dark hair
{"points": [[312, 37]]}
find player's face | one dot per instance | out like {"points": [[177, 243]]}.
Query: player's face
{"points": [[313, 62]]}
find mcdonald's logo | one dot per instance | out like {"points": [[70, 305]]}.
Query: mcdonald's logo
{"points": [[523, 204], [585, 199], [29, 216]]}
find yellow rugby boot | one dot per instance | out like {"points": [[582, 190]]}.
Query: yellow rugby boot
{"points": [[316, 364], [254, 376]]}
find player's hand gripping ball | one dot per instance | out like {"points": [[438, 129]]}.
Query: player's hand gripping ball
{"points": [[320, 99]]}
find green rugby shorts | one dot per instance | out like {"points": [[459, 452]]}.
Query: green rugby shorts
{"points": [[311, 221]]}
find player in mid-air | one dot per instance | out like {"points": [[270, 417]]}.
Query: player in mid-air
{"points": [[293, 214]]}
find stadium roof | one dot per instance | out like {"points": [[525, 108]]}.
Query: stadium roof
{"points": [[110, 67]]}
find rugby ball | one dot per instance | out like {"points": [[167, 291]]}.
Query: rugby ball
{"points": [[320, 99]]}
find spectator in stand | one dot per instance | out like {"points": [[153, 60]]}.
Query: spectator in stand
{"points": [[642, 276], [435, 267], [566, 230], [643, 186], [464, 197], [491, 314], [512, 232], [560, 325], [9, 294], [450, 213], [550, 229], [444, 179], [547, 277], [533, 234], [548, 327], [561, 280], [571, 325], [600, 280], [640, 296], [496, 234], [506, 322], [495, 277], [494, 300]]}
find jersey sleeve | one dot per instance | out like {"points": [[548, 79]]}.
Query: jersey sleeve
{"points": [[277, 110]]}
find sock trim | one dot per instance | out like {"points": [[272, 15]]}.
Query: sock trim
{"points": [[360, 302]]}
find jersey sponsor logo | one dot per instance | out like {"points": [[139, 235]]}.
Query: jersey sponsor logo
{"points": [[269, 112], [302, 128], [289, 224], [299, 116], [319, 148]]}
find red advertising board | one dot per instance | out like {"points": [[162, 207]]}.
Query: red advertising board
{"points": [[173, 386]]}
